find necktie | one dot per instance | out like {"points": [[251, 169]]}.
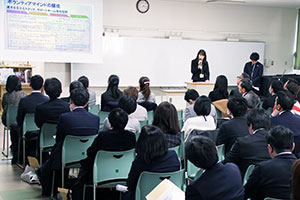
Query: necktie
{"points": [[253, 67]]}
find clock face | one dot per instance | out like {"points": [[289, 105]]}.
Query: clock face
{"points": [[142, 6]]}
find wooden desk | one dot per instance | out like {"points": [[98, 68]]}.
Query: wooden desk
{"points": [[203, 88], [170, 92]]}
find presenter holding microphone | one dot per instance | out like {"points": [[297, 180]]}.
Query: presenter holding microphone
{"points": [[199, 68]]}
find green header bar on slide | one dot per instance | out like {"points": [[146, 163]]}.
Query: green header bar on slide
{"points": [[78, 16]]}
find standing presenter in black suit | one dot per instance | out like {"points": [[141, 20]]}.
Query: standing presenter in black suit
{"points": [[199, 67]]}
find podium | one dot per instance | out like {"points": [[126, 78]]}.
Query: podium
{"points": [[203, 88]]}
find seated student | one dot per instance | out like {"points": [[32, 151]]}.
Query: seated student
{"points": [[284, 103], [237, 126], [272, 178], [116, 139], [110, 98], [166, 118], [73, 85], [295, 186], [27, 105], [128, 104], [78, 122], [275, 87], [203, 121], [190, 97], [245, 88], [152, 156], [140, 112], [293, 88], [145, 97], [239, 79], [219, 181], [220, 89], [52, 109], [253, 148], [85, 82]]}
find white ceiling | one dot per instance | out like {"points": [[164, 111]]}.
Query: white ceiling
{"points": [[268, 3]]}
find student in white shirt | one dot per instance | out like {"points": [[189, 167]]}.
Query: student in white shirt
{"points": [[203, 121]]}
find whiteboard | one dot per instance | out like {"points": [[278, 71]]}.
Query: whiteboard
{"points": [[167, 62]]}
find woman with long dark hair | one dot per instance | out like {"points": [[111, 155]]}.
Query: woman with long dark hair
{"points": [[12, 96], [145, 92], [220, 90], [110, 98], [200, 68], [166, 118], [152, 156]]}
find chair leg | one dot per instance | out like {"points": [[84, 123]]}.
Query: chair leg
{"points": [[24, 163], [94, 191], [53, 183], [7, 143], [19, 146], [84, 186], [62, 176], [3, 146], [41, 156]]}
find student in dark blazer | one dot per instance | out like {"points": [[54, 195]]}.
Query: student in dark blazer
{"points": [[284, 103], [236, 91], [199, 67], [52, 109], [117, 139], [237, 126], [152, 156], [79, 122], [275, 87], [254, 69], [219, 181], [253, 148], [272, 178], [73, 85], [110, 98], [27, 105]]}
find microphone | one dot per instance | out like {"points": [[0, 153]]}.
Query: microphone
{"points": [[281, 77]]}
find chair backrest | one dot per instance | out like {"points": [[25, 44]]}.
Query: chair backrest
{"points": [[149, 180], [46, 136], [248, 173], [150, 116], [112, 165], [221, 105], [102, 115], [11, 115], [177, 150], [74, 148], [94, 109], [221, 152], [29, 124], [180, 118], [143, 123], [192, 170]]}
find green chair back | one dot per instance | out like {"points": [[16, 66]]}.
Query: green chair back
{"points": [[94, 109], [221, 152], [199, 173], [143, 123], [219, 113], [11, 115], [149, 180], [46, 138], [177, 150], [29, 124], [150, 116], [270, 110], [103, 116], [192, 170], [180, 118], [110, 166], [73, 150], [182, 150], [248, 173], [137, 135]]}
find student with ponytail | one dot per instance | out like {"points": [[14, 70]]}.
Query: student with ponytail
{"points": [[145, 92]]}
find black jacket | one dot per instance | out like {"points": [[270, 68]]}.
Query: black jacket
{"points": [[196, 72]]}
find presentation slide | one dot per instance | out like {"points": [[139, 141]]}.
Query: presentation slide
{"points": [[52, 31]]}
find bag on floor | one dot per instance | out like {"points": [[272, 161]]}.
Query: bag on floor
{"points": [[30, 176]]}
